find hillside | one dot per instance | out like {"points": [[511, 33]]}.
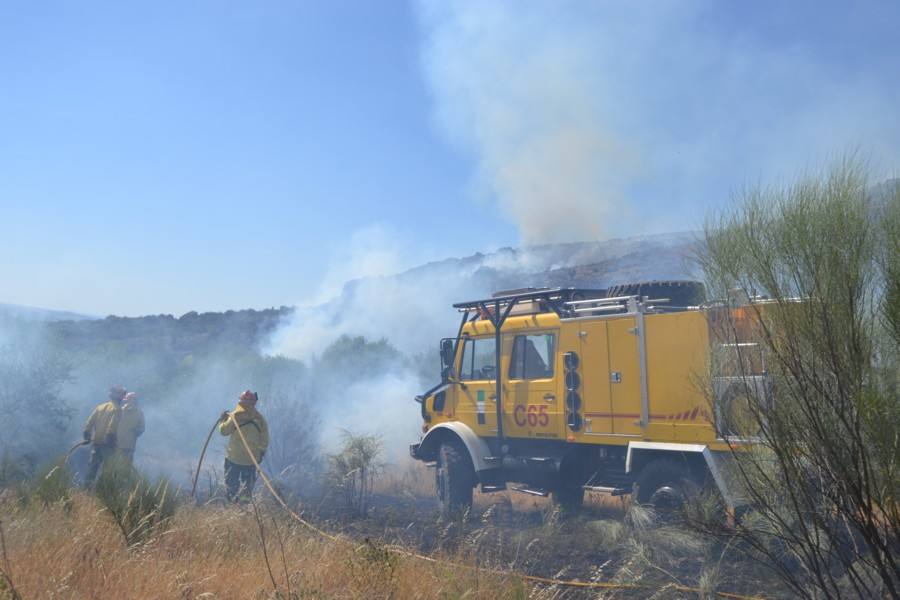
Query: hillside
{"points": [[385, 307], [577, 264], [425, 292], [31, 313], [190, 333]]}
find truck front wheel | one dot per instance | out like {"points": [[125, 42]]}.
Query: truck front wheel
{"points": [[455, 478]]}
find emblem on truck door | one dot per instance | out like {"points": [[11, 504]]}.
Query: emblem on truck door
{"points": [[480, 406]]}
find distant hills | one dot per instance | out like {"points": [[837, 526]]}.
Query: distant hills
{"points": [[577, 264], [379, 307], [241, 331], [414, 308], [31, 313], [581, 264]]}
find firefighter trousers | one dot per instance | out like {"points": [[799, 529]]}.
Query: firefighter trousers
{"points": [[99, 455], [239, 481]]}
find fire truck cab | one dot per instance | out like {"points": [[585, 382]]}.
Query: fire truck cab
{"points": [[558, 391]]}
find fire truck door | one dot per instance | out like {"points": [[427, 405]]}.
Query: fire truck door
{"points": [[477, 405], [532, 406]]}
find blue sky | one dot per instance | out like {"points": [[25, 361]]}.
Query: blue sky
{"points": [[160, 157]]}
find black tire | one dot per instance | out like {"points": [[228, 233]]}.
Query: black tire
{"points": [[665, 484], [455, 479], [680, 293], [569, 493], [569, 498]]}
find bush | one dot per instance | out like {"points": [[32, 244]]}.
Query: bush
{"points": [[141, 508], [353, 470], [293, 432], [35, 415], [51, 485], [822, 478]]}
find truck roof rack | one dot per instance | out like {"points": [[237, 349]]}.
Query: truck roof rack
{"points": [[553, 299], [568, 303]]}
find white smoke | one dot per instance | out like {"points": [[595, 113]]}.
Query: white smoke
{"points": [[587, 119], [516, 83], [385, 406], [372, 251], [360, 296]]}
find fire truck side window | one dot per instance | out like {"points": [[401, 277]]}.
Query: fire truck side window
{"points": [[532, 356], [478, 359]]}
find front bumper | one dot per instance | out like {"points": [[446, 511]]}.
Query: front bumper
{"points": [[414, 451]]}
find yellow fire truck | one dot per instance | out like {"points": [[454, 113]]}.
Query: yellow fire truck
{"points": [[558, 391]]}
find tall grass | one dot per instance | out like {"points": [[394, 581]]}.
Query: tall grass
{"points": [[141, 508], [51, 485], [209, 552]]}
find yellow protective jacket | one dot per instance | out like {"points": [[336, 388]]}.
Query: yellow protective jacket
{"points": [[131, 426], [255, 430], [103, 424]]}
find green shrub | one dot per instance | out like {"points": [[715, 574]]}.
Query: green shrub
{"points": [[141, 508], [51, 485], [353, 470]]}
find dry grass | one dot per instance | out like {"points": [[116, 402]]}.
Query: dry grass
{"points": [[72, 548], [77, 552]]}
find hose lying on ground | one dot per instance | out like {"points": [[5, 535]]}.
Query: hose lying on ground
{"points": [[401, 552]]}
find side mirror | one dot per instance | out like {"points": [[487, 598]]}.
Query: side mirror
{"points": [[446, 353]]}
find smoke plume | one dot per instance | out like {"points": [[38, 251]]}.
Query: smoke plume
{"points": [[516, 84], [592, 119]]}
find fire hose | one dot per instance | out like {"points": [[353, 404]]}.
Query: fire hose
{"points": [[202, 454], [73, 449], [402, 552]]}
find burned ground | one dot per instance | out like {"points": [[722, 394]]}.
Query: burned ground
{"points": [[609, 541]]}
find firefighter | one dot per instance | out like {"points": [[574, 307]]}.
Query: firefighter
{"points": [[131, 426], [240, 473], [101, 430]]}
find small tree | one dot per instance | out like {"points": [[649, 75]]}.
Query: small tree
{"points": [[824, 477], [293, 452], [34, 413], [353, 470]]}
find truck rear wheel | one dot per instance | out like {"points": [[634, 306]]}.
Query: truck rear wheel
{"points": [[455, 478], [664, 483], [568, 497], [569, 493]]}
